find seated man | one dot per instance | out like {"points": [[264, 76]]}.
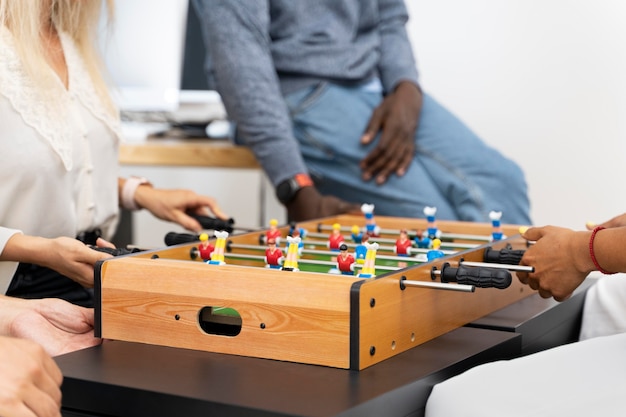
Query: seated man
{"points": [[328, 99]]}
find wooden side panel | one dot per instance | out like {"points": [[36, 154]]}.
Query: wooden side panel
{"points": [[402, 319], [292, 316]]}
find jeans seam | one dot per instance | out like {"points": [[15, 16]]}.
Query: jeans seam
{"points": [[472, 189]]}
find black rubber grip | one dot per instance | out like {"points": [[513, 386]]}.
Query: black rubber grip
{"points": [[173, 238], [477, 276], [504, 256], [211, 223], [115, 251]]}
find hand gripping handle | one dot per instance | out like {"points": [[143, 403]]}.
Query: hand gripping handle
{"points": [[477, 276], [503, 256]]}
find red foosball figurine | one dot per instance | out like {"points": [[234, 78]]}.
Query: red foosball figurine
{"points": [[205, 247], [345, 261], [336, 238], [403, 244], [273, 256], [273, 233]]}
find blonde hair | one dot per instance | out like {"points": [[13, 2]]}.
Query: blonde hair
{"points": [[25, 19]]}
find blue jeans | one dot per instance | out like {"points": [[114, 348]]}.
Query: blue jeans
{"points": [[452, 170]]}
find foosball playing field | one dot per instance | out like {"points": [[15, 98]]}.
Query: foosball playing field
{"points": [[346, 292]]}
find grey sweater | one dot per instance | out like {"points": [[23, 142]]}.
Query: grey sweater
{"points": [[261, 49]]}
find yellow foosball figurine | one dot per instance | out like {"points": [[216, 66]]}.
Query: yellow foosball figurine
{"points": [[217, 257]]}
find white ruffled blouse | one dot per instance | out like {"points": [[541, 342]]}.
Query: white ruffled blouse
{"points": [[58, 159]]}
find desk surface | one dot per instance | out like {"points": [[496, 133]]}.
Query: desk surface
{"points": [[187, 152], [126, 379]]}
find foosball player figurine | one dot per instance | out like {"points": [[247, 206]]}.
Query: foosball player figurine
{"points": [[496, 233], [402, 247], [403, 244], [432, 231], [291, 260], [370, 224], [357, 234], [345, 261], [273, 232], [217, 257], [205, 247], [296, 233], [369, 266], [273, 256], [336, 238], [361, 250], [422, 240], [293, 227], [435, 252]]}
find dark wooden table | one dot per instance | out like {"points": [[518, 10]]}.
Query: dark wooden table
{"points": [[128, 379]]}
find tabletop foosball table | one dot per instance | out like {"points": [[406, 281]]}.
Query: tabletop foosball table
{"points": [[308, 311]]}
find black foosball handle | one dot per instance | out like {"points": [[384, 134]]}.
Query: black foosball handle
{"points": [[173, 238], [477, 276], [116, 251], [211, 223], [503, 256]]}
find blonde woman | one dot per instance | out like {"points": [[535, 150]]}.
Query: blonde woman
{"points": [[59, 141]]}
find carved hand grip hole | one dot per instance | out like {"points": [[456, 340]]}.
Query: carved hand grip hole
{"points": [[220, 321]]}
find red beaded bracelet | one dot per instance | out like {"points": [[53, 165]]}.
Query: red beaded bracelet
{"points": [[593, 255]]}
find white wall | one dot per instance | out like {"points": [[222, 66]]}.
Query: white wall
{"points": [[543, 81]]}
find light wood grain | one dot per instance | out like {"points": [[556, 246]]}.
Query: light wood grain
{"points": [[187, 152], [300, 316]]}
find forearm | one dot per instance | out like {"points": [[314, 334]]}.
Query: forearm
{"points": [[609, 248], [238, 33], [27, 249], [397, 62]]}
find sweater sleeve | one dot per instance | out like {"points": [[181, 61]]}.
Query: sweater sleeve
{"points": [[7, 269], [237, 35], [397, 62]]}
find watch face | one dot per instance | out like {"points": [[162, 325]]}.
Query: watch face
{"points": [[286, 191]]}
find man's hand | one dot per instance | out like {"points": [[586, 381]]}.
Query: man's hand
{"points": [[310, 204], [397, 118], [617, 221], [30, 381], [561, 260], [60, 327]]}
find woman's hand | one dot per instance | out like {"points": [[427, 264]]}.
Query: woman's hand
{"points": [[173, 205], [30, 380], [66, 255], [60, 327]]}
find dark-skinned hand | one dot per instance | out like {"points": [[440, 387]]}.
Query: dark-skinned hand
{"points": [[310, 204], [397, 118]]}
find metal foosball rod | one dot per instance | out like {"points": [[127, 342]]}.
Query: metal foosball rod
{"points": [[446, 244], [304, 251], [303, 261], [444, 235]]}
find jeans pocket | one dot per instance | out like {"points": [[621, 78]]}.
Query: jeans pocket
{"points": [[302, 100]]}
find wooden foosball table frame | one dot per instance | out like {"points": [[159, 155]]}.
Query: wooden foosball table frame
{"points": [[160, 296]]}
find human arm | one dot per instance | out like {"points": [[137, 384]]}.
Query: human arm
{"points": [[617, 221], [173, 205], [30, 381], [397, 117], [240, 53], [66, 255], [562, 260], [57, 325]]}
